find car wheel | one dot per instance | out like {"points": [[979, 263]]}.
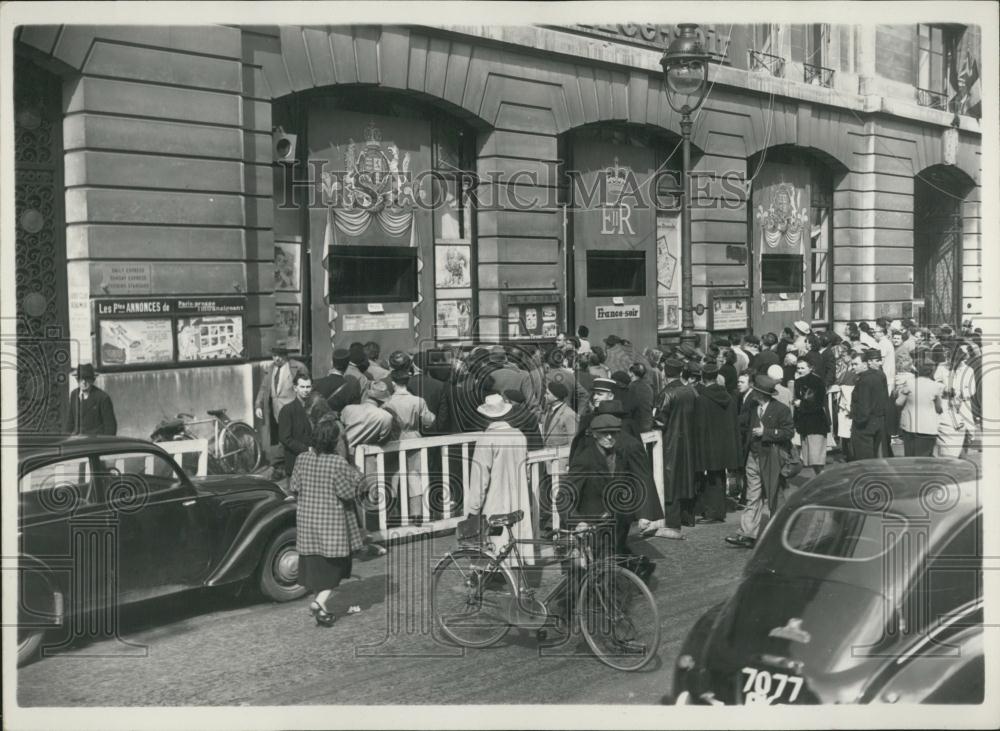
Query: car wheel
{"points": [[29, 641], [37, 594], [279, 568]]}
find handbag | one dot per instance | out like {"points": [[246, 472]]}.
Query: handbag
{"points": [[791, 461]]}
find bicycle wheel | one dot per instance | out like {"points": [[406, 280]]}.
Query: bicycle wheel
{"points": [[469, 600], [618, 618], [240, 448]]}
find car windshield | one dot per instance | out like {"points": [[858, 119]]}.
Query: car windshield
{"points": [[842, 533]]}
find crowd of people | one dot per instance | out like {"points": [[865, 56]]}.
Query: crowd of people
{"points": [[748, 414]]}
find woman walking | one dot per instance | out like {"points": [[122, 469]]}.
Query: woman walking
{"points": [[326, 487]]}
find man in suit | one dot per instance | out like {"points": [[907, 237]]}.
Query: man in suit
{"points": [[335, 378], [90, 408], [276, 388], [422, 384], [769, 439], [869, 407], [294, 427], [717, 442]]}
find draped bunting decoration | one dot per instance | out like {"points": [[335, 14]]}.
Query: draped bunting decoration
{"points": [[782, 222]]}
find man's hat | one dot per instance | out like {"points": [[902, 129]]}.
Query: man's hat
{"points": [[673, 366], [341, 354], [280, 348], [621, 378], [558, 390], [802, 326], [689, 351], [765, 384], [379, 391], [709, 370], [401, 373], [494, 406], [604, 384], [872, 354], [85, 372], [693, 367], [605, 423], [612, 340], [614, 407], [896, 326], [399, 361], [497, 354]]}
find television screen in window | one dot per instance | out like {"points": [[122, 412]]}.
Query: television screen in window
{"points": [[619, 273], [781, 273], [373, 274]]}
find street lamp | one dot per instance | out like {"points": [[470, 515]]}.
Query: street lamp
{"points": [[685, 67]]}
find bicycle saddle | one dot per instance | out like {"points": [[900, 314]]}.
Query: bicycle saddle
{"points": [[506, 519], [216, 412]]}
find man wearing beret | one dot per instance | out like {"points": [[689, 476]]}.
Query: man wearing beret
{"points": [[90, 408], [675, 414], [335, 378], [869, 408], [770, 436]]}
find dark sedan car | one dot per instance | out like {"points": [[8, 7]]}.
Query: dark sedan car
{"points": [[109, 521], [866, 587]]}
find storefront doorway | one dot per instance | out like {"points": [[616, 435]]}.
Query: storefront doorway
{"points": [[937, 247]]}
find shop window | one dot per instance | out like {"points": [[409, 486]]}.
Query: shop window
{"points": [[620, 273], [781, 273], [373, 274]]}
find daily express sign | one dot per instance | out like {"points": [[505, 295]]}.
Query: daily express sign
{"points": [[617, 312]]}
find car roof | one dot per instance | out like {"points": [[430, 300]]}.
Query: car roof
{"points": [[36, 449], [906, 486]]}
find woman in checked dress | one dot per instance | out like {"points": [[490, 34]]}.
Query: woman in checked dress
{"points": [[326, 487]]}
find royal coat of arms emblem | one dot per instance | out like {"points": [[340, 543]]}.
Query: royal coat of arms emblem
{"points": [[376, 176], [783, 219]]}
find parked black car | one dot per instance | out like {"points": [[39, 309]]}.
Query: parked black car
{"points": [[866, 587], [109, 521]]}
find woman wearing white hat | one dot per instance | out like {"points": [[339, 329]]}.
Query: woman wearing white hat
{"points": [[498, 476]]}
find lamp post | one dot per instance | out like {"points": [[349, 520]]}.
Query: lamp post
{"points": [[685, 68]]}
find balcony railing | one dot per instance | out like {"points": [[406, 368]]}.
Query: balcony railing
{"points": [[933, 99], [774, 65], [817, 75]]}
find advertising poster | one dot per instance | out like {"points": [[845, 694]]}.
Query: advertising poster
{"points": [[452, 267], [218, 337], [669, 314], [668, 284], [288, 325], [286, 266], [454, 318], [131, 342]]}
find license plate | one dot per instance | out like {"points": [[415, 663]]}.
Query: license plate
{"points": [[765, 687]]}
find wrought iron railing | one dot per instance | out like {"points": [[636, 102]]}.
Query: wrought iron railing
{"points": [[932, 99], [817, 75], [774, 65]]}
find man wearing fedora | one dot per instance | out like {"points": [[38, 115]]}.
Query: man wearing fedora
{"points": [[675, 416], [90, 408], [276, 390], [769, 441]]}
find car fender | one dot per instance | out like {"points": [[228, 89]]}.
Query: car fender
{"points": [[242, 558], [48, 574]]}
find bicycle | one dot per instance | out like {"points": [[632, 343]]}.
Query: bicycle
{"points": [[615, 611], [234, 447]]}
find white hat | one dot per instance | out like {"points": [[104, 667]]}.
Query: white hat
{"points": [[802, 326], [896, 326], [776, 372], [494, 406]]}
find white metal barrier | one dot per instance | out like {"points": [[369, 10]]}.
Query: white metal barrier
{"points": [[178, 448], [452, 455]]}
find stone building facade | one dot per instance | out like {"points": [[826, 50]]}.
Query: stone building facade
{"points": [[188, 196]]}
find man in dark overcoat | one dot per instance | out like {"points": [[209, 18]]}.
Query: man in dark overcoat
{"points": [[90, 408], [676, 414], [294, 427], [717, 441]]}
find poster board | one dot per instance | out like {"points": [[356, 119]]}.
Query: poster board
{"points": [[532, 316], [161, 332], [729, 310]]}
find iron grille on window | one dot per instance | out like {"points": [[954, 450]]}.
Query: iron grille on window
{"points": [[774, 65], [818, 75]]}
